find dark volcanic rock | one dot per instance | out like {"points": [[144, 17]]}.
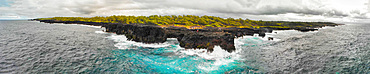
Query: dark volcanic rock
{"points": [[305, 29], [207, 40], [139, 33], [187, 38]]}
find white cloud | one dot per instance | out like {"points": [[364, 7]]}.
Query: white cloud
{"points": [[293, 10]]}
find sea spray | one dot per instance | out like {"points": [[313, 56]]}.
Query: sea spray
{"points": [[91, 26], [80, 25], [169, 57], [123, 43], [100, 32]]}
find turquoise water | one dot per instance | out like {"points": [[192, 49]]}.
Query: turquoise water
{"points": [[169, 57]]}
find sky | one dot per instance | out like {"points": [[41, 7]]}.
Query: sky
{"points": [[268, 10]]}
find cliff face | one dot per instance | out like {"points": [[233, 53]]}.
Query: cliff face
{"points": [[188, 38], [139, 33], [206, 40]]}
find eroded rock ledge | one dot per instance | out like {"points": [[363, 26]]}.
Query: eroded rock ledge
{"points": [[188, 38]]}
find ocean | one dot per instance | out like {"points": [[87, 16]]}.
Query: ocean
{"points": [[34, 47]]}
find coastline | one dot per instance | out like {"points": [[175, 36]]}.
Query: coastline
{"points": [[188, 38]]}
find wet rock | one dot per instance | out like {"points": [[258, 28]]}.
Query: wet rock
{"points": [[270, 38]]}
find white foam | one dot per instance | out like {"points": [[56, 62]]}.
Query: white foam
{"points": [[209, 66], [327, 27], [240, 41], [123, 43], [62, 24], [261, 38], [270, 35], [172, 39], [277, 35], [100, 32], [91, 26], [220, 57], [80, 25], [218, 53]]}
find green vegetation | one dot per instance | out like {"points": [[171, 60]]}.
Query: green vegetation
{"points": [[191, 20]]}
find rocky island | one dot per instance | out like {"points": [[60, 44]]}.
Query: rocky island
{"points": [[191, 31]]}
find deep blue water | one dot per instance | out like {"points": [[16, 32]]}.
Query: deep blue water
{"points": [[33, 47]]}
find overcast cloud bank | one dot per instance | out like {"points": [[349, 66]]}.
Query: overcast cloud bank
{"points": [[284, 10]]}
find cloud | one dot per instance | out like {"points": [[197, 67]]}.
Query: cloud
{"points": [[50, 8], [260, 7], [4, 3], [93, 6], [253, 9]]}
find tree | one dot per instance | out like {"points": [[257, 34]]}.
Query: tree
{"points": [[190, 20]]}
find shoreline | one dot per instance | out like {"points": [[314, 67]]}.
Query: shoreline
{"points": [[188, 38]]}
